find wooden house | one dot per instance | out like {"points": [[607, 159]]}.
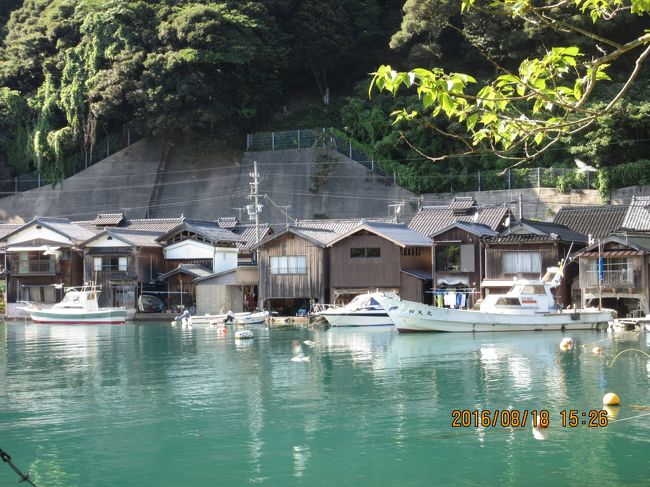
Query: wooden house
{"points": [[458, 260], [525, 250], [456, 231], [622, 282], [379, 256], [42, 257], [195, 249], [124, 262]]}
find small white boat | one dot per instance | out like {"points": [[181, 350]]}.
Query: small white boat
{"points": [[217, 319], [527, 306], [363, 310], [78, 307], [252, 318]]}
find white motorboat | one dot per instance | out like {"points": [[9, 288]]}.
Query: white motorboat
{"points": [[363, 310], [527, 306], [217, 319], [252, 318], [78, 307]]}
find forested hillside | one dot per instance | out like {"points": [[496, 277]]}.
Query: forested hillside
{"points": [[72, 71]]}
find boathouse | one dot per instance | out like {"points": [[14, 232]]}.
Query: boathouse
{"points": [[124, 262], [42, 257], [622, 281], [525, 250], [380, 256]]}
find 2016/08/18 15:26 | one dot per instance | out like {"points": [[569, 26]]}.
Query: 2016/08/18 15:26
{"points": [[515, 418]]}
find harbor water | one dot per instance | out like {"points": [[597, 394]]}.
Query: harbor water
{"points": [[150, 404]]}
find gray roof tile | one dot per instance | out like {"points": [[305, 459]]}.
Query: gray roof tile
{"points": [[638, 214], [597, 221], [430, 220]]}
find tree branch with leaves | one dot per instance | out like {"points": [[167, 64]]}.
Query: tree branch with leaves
{"points": [[523, 112]]}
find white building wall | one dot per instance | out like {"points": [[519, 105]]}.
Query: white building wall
{"points": [[33, 233]]}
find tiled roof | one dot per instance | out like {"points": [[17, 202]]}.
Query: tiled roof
{"points": [[547, 228], [228, 222], [194, 270], [6, 228], [430, 220], [638, 214], [637, 242], [210, 230], [326, 230], [247, 234], [597, 221], [519, 238], [154, 224], [462, 203], [475, 228], [108, 219]]}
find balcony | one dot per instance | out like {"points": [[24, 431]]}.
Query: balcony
{"points": [[33, 267], [618, 278]]}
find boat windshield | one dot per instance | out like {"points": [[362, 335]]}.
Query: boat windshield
{"points": [[71, 297], [527, 289]]}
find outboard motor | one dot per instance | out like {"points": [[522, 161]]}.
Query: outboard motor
{"points": [[185, 314]]}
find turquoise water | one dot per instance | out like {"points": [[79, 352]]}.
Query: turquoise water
{"points": [[155, 405]]}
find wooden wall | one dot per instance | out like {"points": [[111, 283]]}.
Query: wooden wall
{"points": [[550, 253], [382, 272], [311, 285], [463, 238]]}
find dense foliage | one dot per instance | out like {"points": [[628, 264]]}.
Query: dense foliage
{"points": [[74, 71]]}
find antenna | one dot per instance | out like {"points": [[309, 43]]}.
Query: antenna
{"points": [[396, 207]]}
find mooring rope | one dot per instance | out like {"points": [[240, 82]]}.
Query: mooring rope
{"points": [[24, 477], [626, 350]]}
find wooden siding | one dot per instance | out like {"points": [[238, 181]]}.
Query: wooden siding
{"points": [[143, 266], [381, 272], [412, 289], [551, 253], [420, 262], [311, 285], [462, 238]]}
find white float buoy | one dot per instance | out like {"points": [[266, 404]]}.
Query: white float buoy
{"points": [[611, 399], [244, 334], [566, 344]]}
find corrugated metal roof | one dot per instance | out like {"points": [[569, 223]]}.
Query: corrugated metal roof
{"points": [[398, 233], [108, 219], [638, 214], [139, 238], [597, 221], [430, 220]]}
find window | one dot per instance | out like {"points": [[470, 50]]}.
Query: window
{"points": [[448, 258], [410, 251], [365, 253], [289, 264], [111, 264], [522, 262]]}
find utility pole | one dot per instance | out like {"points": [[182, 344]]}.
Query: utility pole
{"points": [[521, 207], [255, 209]]}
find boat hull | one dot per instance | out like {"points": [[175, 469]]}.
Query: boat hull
{"points": [[357, 319], [70, 317], [412, 317]]}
